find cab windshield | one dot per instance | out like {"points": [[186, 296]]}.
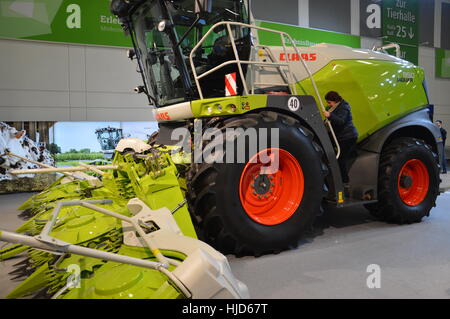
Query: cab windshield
{"points": [[164, 33]]}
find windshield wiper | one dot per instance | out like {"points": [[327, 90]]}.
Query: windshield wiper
{"points": [[187, 31]]}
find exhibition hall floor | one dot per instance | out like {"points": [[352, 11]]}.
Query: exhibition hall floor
{"points": [[414, 260]]}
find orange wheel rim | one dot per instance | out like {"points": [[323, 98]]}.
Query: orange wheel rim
{"points": [[413, 182], [271, 186]]}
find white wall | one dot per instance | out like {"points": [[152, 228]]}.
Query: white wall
{"points": [[438, 88], [369, 43], [63, 82]]}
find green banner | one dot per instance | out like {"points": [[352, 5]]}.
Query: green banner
{"points": [[70, 21], [442, 63], [400, 21], [90, 22], [305, 36]]}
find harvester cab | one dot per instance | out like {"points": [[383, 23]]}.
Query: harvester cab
{"points": [[164, 34], [205, 70], [108, 137]]}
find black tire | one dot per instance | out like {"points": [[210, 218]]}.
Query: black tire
{"points": [[213, 195], [390, 207]]}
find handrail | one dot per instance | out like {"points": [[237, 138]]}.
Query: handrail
{"points": [[272, 58], [236, 61], [391, 45], [239, 63]]}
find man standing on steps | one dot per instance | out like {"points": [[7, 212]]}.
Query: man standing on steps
{"points": [[340, 116], [444, 137]]}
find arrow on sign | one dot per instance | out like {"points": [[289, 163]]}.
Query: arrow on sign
{"points": [[411, 33]]}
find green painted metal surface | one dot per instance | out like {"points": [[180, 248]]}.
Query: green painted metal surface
{"points": [[232, 105], [36, 281], [379, 92], [115, 280], [11, 251]]}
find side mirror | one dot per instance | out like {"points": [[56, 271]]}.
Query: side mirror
{"points": [[119, 7], [202, 6], [139, 89], [131, 54]]}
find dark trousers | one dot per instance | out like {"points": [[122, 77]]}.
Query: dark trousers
{"points": [[347, 147], [443, 161]]}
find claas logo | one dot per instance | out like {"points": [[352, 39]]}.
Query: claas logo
{"points": [[164, 116], [296, 57]]}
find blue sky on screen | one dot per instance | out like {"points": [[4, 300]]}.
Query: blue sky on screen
{"points": [[79, 135]]}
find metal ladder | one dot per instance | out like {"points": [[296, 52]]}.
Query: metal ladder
{"points": [[290, 82]]}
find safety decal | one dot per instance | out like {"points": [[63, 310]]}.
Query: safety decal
{"points": [[230, 84]]}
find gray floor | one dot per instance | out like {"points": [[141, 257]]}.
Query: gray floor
{"points": [[9, 220], [414, 259]]}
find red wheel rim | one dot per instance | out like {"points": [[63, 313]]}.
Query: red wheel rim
{"points": [[413, 182], [271, 190]]}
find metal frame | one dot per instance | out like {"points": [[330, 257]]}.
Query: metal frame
{"points": [[273, 59], [385, 47], [34, 162], [83, 167], [71, 173], [239, 62]]}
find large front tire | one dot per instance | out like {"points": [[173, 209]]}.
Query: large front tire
{"points": [[239, 211], [408, 182]]}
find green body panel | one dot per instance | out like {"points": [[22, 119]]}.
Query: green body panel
{"points": [[231, 105], [378, 92], [55, 192], [36, 281], [115, 280], [159, 189], [81, 224], [11, 251], [177, 155]]}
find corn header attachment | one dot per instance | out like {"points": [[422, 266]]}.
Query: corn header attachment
{"points": [[128, 235]]}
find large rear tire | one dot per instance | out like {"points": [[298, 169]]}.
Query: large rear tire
{"points": [[408, 182], [241, 211]]}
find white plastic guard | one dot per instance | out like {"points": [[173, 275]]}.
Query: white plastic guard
{"points": [[205, 272]]}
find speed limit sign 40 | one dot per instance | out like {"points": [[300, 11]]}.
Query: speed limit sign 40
{"points": [[293, 103]]}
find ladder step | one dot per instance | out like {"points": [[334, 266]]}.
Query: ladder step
{"points": [[271, 84]]}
